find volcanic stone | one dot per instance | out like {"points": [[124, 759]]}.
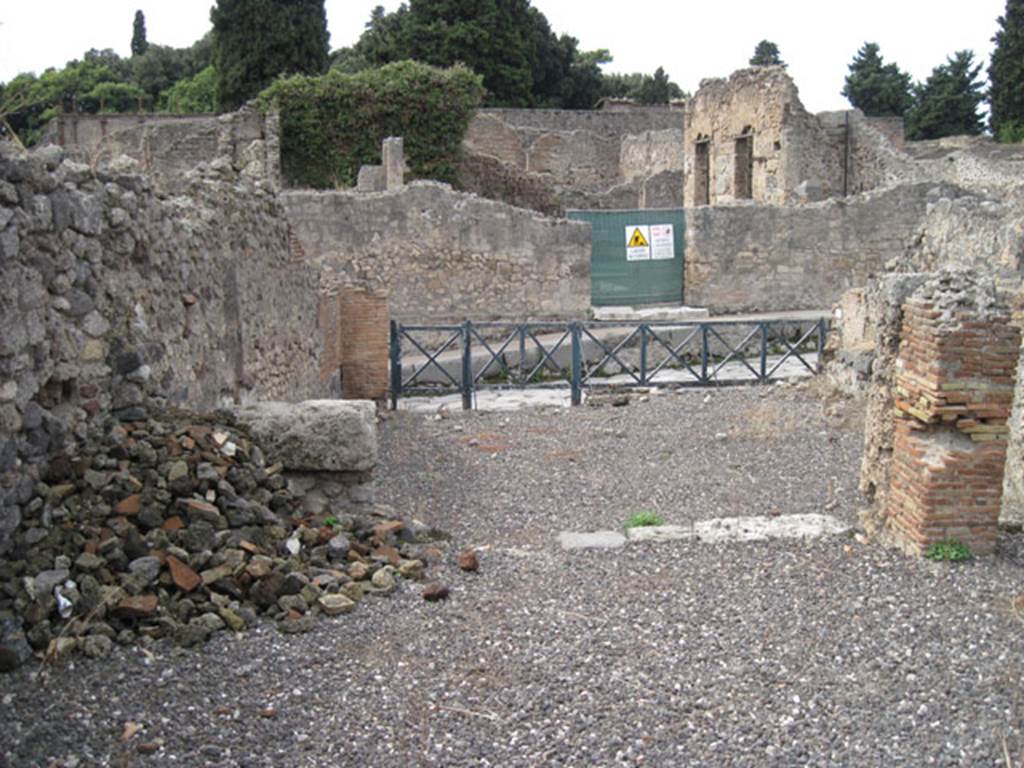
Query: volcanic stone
{"points": [[434, 592], [183, 576], [138, 607]]}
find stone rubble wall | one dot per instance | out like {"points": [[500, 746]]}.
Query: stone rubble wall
{"points": [[746, 258], [975, 162], [444, 256], [794, 159], [116, 300], [586, 159], [167, 147], [649, 153], [489, 177]]}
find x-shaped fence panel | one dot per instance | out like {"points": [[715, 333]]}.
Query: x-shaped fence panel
{"points": [[472, 356]]}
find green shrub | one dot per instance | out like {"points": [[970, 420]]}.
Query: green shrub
{"points": [[644, 519], [948, 549], [333, 124], [1011, 132]]}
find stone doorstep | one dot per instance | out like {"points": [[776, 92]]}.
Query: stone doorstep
{"points": [[725, 529]]}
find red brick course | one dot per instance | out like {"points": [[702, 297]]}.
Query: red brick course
{"points": [[954, 391]]}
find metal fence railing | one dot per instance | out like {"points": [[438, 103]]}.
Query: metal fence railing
{"points": [[467, 357]]}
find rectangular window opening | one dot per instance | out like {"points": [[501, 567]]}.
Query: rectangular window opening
{"points": [[702, 180], [744, 176]]}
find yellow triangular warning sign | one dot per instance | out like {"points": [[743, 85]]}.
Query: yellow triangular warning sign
{"points": [[637, 240]]}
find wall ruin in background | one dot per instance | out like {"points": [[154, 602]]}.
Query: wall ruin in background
{"points": [[596, 159], [443, 255], [167, 147]]}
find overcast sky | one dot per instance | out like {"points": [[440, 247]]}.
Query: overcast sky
{"points": [[817, 38]]}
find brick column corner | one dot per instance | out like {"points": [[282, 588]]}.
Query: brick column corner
{"points": [[954, 390]]}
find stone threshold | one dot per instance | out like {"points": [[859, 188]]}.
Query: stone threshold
{"points": [[724, 529]]}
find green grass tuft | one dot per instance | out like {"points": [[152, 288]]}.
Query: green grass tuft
{"points": [[643, 519]]}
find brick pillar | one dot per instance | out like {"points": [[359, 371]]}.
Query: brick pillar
{"points": [[365, 336], [954, 389], [330, 325]]}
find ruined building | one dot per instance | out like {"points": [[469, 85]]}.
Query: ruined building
{"points": [[784, 209]]}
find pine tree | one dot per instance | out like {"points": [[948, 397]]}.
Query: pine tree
{"points": [[877, 88], [1006, 75], [946, 104], [139, 44], [256, 41], [766, 54]]}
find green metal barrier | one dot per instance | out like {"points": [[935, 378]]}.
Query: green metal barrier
{"points": [[636, 256]]}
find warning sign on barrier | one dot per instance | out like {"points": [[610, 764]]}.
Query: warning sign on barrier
{"points": [[662, 242], [638, 242]]}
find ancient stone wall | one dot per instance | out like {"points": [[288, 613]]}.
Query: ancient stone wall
{"points": [[604, 122], [764, 258], [443, 255], [115, 301], [168, 146], [588, 158], [760, 143], [489, 177]]}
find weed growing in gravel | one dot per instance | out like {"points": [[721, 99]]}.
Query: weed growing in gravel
{"points": [[642, 519], [331, 521], [949, 549]]}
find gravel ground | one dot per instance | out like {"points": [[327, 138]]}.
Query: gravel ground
{"points": [[776, 653]]}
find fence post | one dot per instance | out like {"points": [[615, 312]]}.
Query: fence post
{"points": [[396, 363], [467, 367], [643, 355], [703, 353], [764, 352], [522, 355], [577, 356], [821, 343]]}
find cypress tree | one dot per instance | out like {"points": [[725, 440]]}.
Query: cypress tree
{"points": [[139, 43], [256, 41], [765, 54], [1006, 75], [946, 104], [877, 88]]}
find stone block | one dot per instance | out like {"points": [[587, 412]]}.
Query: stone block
{"points": [[315, 435]]}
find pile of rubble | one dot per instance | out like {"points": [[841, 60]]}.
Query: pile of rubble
{"points": [[180, 526]]}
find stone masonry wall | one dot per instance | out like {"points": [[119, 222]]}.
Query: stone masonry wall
{"points": [[793, 157], [166, 147], [588, 158], [444, 256], [764, 258], [115, 300], [489, 177], [954, 387]]}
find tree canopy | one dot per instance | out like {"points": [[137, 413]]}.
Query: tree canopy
{"points": [[766, 53], [1006, 75], [877, 88], [139, 43], [256, 41], [509, 43], [946, 104]]}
